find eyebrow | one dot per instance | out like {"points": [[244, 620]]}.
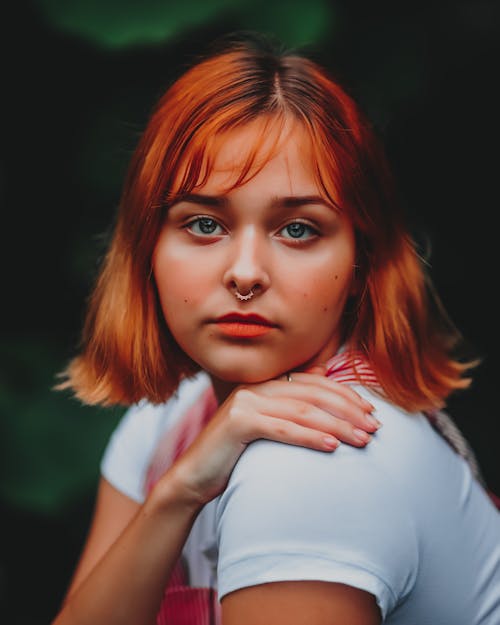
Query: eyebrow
{"points": [[220, 201], [206, 200]]}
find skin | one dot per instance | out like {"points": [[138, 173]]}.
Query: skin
{"points": [[274, 235], [301, 288]]}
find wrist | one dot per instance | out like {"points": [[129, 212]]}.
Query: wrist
{"points": [[173, 490]]}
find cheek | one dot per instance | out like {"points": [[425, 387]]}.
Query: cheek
{"points": [[177, 291], [329, 280], [328, 293], [176, 279]]}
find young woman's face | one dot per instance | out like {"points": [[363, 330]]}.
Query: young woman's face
{"points": [[274, 237]]}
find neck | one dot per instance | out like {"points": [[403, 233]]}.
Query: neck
{"points": [[222, 389]]}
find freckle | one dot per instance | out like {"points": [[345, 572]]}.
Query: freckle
{"points": [[336, 277], [325, 309], [185, 300]]}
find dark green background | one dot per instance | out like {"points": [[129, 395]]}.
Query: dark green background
{"points": [[79, 81]]}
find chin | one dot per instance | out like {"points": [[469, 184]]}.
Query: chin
{"points": [[245, 374], [246, 377]]}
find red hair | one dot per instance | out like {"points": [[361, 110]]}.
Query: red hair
{"points": [[128, 352]]}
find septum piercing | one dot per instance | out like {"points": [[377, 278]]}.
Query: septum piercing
{"points": [[244, 298]]}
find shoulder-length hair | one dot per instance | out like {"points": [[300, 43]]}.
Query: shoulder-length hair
{"points": [[128, 352]]}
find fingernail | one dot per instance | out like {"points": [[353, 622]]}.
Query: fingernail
{"points": [[372, 421], [369, 407], [361, 436], [330, 442]]}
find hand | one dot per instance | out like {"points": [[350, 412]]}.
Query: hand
{"points": [[311, 410]]}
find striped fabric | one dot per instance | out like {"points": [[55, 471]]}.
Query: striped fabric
{"points": [[351, 367], [186, 605], [183, 604], [181, 436]]}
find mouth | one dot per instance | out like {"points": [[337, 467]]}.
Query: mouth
{"points": [[250, 319], [244, 326]]}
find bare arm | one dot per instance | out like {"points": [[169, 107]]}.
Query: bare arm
{"points": [[300, 603], [123, 582], [113, 512]]}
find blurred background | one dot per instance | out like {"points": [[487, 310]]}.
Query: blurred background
{"points": [[79, 80]]}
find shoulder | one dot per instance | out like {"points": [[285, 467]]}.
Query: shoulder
{"points": [[130, 448], [360, 517], [293, 513], [392, 463], [393, 457]]}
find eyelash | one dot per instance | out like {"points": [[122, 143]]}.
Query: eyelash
{"points": [[312, 230]]}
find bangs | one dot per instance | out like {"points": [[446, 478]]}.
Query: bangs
{"points": [[236, 159]]}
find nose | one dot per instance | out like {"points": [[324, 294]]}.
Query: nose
{"points": [[247, 268]]}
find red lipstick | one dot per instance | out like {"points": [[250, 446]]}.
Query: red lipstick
{"points": [[244, 326]]}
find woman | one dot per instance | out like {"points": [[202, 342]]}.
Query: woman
{"points": [[260, 266]]}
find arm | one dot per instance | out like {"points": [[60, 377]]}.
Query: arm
{"points": [[290, 514], [113, 512], [127, 561], [300, 603]]}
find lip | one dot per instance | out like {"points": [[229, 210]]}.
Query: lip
{"points": [[244, 326], [250, 318]]}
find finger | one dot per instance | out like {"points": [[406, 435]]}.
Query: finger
{"points": [[342, 389], [343, 408], [284, 431], [311, 416], [332, 399]]}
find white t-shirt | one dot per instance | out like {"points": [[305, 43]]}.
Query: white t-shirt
{"points": [[402, 518]]}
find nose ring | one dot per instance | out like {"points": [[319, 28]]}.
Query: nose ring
{"points": [[244, 298]]}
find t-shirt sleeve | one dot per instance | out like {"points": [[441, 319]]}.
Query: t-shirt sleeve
{"points": [[128, 453], [291, 513]]}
